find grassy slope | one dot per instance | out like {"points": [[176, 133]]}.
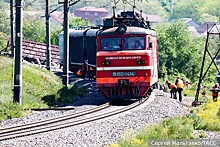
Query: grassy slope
{"points": [[36, 83], [40, 88]]}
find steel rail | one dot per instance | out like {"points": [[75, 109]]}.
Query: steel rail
{"points": [[68, 124], [3, 131]]}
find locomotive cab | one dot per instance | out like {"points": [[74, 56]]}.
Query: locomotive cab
{"points": [[126, 62]]}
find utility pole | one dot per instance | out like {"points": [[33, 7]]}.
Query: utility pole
{"points": [[210, 31], [66, 41], [66, 44], [18, 53], [47, 15], [12, 27]]}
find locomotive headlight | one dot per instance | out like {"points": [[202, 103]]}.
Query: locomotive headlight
{"points": [[106, 63], [139, 62]]}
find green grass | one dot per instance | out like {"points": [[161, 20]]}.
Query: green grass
{"points": [[40, 88], [208, 116], [204, 118], [174, 128]]}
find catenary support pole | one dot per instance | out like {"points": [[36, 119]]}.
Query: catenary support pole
{"points": [[47, 15], [66, 44], [18, 53], [12, 27]]}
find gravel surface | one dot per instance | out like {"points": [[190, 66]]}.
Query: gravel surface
{"points": [[101, 132]]}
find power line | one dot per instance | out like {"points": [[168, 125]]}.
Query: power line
{"points": [[30, 4]]}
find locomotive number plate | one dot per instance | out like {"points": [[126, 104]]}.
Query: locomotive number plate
{"points": [[124, 74]]}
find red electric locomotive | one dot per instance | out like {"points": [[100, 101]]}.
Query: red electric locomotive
{"points": [[127, 57]]}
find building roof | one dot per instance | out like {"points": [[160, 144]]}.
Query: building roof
{"points": [[186, 20], [37, 51], [193, 30], [57, 17], [205, 27], [150, 18], [153, 18], [88, 8]]}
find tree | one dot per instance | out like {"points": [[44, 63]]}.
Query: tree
{"points": [[208, 18], [74, 22], [55, 34], [3, 41], [178, 51], [189, 9], [166, 5], [212, 8], [197, 9], [34, 29], [4, 25], [4, 22]]}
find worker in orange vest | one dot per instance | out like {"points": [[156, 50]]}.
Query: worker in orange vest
{"points": [[179, 85], [91, 72], [215, 90], [172, 88], [79, 73], [186, 84]]}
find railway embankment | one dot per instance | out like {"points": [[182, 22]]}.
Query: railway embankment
{"points": [[101, 132]]}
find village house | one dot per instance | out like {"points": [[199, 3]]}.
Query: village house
{"points": [[92, 14]]}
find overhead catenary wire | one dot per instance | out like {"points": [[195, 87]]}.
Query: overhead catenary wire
{"points": [[30, 4]]}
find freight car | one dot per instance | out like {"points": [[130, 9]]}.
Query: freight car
{"points": [[127, 57], [82, 47]]}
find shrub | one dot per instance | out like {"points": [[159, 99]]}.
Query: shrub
{"points": [[10, 110]]}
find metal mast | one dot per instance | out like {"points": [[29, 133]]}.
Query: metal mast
{"points": [[47, 15], [66, 44], [18, 53], [214, 30], [12, 27]]}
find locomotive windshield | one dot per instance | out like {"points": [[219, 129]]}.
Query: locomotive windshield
{"points": [[134, 43], [111, 44]]}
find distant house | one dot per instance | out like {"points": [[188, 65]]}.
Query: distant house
{"points": [[92, 14], [190, 22], [191, 25], [204, 27]]}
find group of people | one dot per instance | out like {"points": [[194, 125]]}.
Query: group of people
{"points": [[175, 88]]}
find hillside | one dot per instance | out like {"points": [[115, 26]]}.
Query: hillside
{"points": [[40, 88]]}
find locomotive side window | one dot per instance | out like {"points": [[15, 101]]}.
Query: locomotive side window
{"points": [[134, 43], [111, 44]]}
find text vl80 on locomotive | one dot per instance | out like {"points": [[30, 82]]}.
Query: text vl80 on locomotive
{"points": [[126, 58]]}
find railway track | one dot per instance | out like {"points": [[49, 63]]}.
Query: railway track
{"points": [[64, 121]]}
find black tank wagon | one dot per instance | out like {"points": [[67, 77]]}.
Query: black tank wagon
{"points": [[82, 47]]}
